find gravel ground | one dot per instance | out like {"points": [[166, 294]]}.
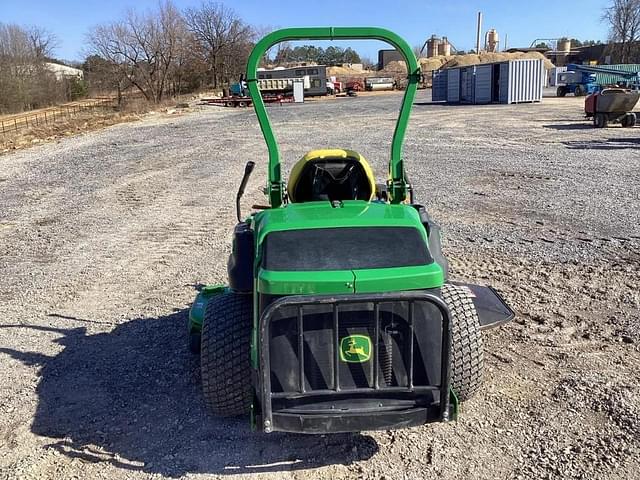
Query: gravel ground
{"points": [[104, 237]]}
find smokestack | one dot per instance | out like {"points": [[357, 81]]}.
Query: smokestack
{"points": [[479, 30], [504, 49]]}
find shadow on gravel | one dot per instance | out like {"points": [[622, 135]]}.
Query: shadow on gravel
{"points": [[131, 398], [441, 104], [609, 144], [571, 126]]}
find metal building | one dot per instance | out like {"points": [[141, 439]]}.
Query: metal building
{"points": [[609, 79], [512, 81], [386, 56]]}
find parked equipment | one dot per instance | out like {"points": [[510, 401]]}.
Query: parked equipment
{"points": [[379, 83], [612, 105], [245, 101], [280, 80], [355, 86], [339, 315], [582, 79]]}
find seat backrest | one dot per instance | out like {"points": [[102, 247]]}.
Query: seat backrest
{"points": [[331, 175]]}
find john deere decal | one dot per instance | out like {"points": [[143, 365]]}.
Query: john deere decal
{"points": [[355, 349]]}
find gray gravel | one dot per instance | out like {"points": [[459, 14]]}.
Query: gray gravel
{"points": [[104, 236]]}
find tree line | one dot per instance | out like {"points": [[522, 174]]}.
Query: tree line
{"points": [[310, 53], [160, 53]]}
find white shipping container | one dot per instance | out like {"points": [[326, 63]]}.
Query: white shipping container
{"points": [[526, 80]]}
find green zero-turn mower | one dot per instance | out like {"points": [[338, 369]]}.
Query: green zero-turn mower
{"points": [[338, 315]]}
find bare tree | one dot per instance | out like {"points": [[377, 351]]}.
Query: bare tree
{"points": [[25, 82], [43, 42], [143, 48], [222, 36], [623, 17]]}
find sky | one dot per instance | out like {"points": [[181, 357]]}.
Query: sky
{"points": [[521, 22]]}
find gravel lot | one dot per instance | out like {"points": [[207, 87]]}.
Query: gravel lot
{"points": [[104, 237]]}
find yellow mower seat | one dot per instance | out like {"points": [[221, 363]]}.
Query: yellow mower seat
{"points": [[333, 174]]}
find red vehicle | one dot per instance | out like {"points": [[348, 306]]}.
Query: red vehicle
{"points": [[355, 85]]}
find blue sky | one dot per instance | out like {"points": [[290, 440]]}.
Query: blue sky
{"points": [[414, 20]]}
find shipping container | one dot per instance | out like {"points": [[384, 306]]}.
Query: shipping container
{"points": [[500, 80], [483, 84], [513, 81], [467, 79], [439, 86], [453, 85], [526, 78]]}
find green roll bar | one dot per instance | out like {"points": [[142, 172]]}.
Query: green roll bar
{"points": [[397, 183]]}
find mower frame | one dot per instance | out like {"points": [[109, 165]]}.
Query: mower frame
{"points": [[397, 183]]}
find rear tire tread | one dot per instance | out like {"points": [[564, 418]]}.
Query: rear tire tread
{"points": [[467, 353], [225, 344]]}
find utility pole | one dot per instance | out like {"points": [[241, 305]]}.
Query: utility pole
{"points": [[479, 32]]}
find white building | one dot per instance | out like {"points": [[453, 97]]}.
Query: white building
{"points": [[63, 71]]}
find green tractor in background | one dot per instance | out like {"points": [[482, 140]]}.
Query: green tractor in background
{"points": [[338, 315]]}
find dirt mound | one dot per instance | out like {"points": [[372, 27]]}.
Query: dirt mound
{"points": [[334, 71], [395, 67], [485, 57], [433, 63]]}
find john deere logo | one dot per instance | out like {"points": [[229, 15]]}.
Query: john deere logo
{"points": [[355, 349]]}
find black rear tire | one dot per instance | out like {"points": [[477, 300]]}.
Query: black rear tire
{"points": [[579, 91], [224, 356], [600, 120], [629, 120], [561, 91], [467, 353], [194, 342]]}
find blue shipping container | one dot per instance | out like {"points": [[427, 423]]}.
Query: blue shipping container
{"points": [[439, 86], [513, 81]]}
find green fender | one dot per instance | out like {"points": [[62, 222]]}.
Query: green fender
{"points": [[197, 310]]}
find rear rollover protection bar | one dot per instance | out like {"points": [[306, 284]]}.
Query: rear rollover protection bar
{"points": [[354, 362]]}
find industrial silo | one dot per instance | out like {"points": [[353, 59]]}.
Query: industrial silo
{"points": [[444, 48], [491, 41], [432, 46], [564, 46], [564, 49]]}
